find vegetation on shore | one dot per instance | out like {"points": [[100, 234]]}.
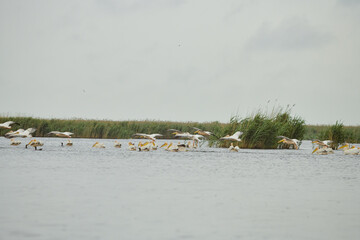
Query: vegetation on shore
{"points": [[260, 130]]}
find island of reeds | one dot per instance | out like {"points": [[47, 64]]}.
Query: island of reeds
{"points": [[260, 129]]}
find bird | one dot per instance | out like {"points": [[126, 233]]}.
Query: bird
{"points": [[323, 151], [324, 143], [20, 133], [117, 144], [350, 150], [201, 132], [148, 136], [14, 143], [69, 143], [233, 149], [131, 146], [153, 145], [170, 147], [7, 125], [61, 134], [234, 137], [293, 142], [195, 137], [98, 145], [145, 147], [34, 143]]}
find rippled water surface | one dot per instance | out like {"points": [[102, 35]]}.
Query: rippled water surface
{"points": [[80, 192]]}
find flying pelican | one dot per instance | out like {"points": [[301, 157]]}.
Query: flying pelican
{"points": [[61, 134], [117, 144], [14, 143], [20, 133], [148, 136], [201, 132], [98, 145], [234, 137], [294, 142], [34, 143], [7, 125], [132, 146], [325, 143], [350, 150]]}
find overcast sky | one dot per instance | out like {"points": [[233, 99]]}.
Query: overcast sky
{"points": [[180, 60]]}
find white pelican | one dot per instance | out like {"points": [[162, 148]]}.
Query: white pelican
{"points": [[7, 125], [144, 146], [98, 145], [294, 142], [233, 149], [132, 146], [195, 137], [14, 143], [34, 143], [61, 134], [323, 151], [234, 137], [153, 146], [20, 133], [202, 133], [117, 144], [148, 136], [170, 147], [350, 150], [325, 143]]}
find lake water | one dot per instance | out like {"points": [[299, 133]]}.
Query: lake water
{"points": [[80, 192]]}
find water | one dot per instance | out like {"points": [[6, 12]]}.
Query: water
{"points": [[84, 193]]}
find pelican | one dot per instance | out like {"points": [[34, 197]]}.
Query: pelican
{"points": [[34, 143], [117, 144], [14, 143], [195, 137], [153, 145], [323, 151], [144, 146], [350, 150], [61, 134], [324, 143], [69, 143], [170, 147], [148, 136], [20, 133], [7, 125], [98, 145], [294, 142], [132, 146], [202, 133], [233, 149], [234, 137]]}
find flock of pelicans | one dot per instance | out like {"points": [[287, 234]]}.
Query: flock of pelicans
{"points": [[323, 147]]}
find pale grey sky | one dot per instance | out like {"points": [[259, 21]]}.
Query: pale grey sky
{"points": [[180, 60]]}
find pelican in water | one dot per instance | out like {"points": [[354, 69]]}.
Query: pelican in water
{"points": [[293, 142], [350, 150], [20, 133], [117, 144], [131, 146], [35, 143], [148, 136], [7, 125], [233, 149], [196, 138], [61, 134], [153, 145], [234, 137], [14, 143], [69, 143], [170, 147], [323, 150], [98, 145], [144, 146]]}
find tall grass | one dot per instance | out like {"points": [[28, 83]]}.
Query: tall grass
{"points": [[104, 128], [351, 134], [261, 129]]}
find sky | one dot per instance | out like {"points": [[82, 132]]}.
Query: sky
{"points": [[180, 60]]}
